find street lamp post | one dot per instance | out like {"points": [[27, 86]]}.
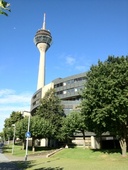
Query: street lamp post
{"points": [[27, 137], [14, 131]]}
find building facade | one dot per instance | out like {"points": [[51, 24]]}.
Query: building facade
{"points": [[67, 89]]}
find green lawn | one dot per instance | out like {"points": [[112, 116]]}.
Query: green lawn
{"points": [[76, 159]]}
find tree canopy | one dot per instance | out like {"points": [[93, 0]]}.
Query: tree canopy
{"points": [[73, 122], [14, 117], [105, 98], [51, 110], [8, 129], [39, 128], [4, 6]]}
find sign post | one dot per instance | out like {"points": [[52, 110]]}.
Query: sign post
{"points": [[28, 135], [14, 131]]}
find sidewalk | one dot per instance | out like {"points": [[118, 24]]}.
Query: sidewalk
{"points": [[7, 164], [3, 158], [8, 158]]}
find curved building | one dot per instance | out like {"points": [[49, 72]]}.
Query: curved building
{"points": [[67, 89]]}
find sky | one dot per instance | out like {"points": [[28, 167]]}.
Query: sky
{"points": [[83, 31]]}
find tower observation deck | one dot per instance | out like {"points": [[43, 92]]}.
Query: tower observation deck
{"points": [[42, 40]]}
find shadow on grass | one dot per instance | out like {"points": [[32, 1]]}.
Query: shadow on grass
{"points": [[7, 149], [108, 151], [56, 168], [40, 148], [10, 166], [22, 165]]}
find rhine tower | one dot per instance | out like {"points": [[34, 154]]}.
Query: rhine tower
{"points": [[42, 40]]}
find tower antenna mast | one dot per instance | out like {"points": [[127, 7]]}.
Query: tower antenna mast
{"points": [[44, 23]]}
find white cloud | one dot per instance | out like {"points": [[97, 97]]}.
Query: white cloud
{"points": [[73, 63], [14, 98], [4, 92], [70, 60], [10, 101], [77, 63]]}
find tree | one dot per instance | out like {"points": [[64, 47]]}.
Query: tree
{"points": [[51, 109], [14, 117], [74, 122], [39, 128], [21, 129], [77, 121], [8, 129], [8, 133], [4, 6], [1, 136], [105, 98], [65, 131]]}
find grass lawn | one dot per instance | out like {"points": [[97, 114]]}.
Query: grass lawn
{"points": [[79, 159]]}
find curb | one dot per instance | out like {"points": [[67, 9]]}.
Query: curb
{"points": [[52, 153]]}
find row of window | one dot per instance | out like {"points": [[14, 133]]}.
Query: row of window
{"points": [[71, 90], [76, 80], [36, 96], [36, 102], [42, 38]]}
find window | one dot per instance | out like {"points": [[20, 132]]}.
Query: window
{"points": [[79, 79], [70, 90], [58, 85], [59, 92], [70, 81]]}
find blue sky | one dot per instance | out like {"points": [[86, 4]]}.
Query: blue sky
{"points": [[83, 32]]}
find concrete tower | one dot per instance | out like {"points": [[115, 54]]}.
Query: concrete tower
{"points": [[42, 40]]}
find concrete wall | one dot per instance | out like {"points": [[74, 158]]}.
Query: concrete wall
{"points": [[90, 142], [46, 88]]}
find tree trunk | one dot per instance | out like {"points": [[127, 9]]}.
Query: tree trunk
{"points": [[83, 132], [33, 145], [123, 145], [24, 144], [123, 140], [100, 142]]}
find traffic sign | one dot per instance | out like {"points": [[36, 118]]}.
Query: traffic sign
{"points": [[28, 134]]}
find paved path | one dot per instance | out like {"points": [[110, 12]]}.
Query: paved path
{"points": [[2, 157], [6, 164]]}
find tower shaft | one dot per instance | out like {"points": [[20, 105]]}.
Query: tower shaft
{"points": [[41, 72]]}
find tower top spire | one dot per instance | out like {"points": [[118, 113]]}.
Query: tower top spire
{"points": [[43, 35], [44, 24]]}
